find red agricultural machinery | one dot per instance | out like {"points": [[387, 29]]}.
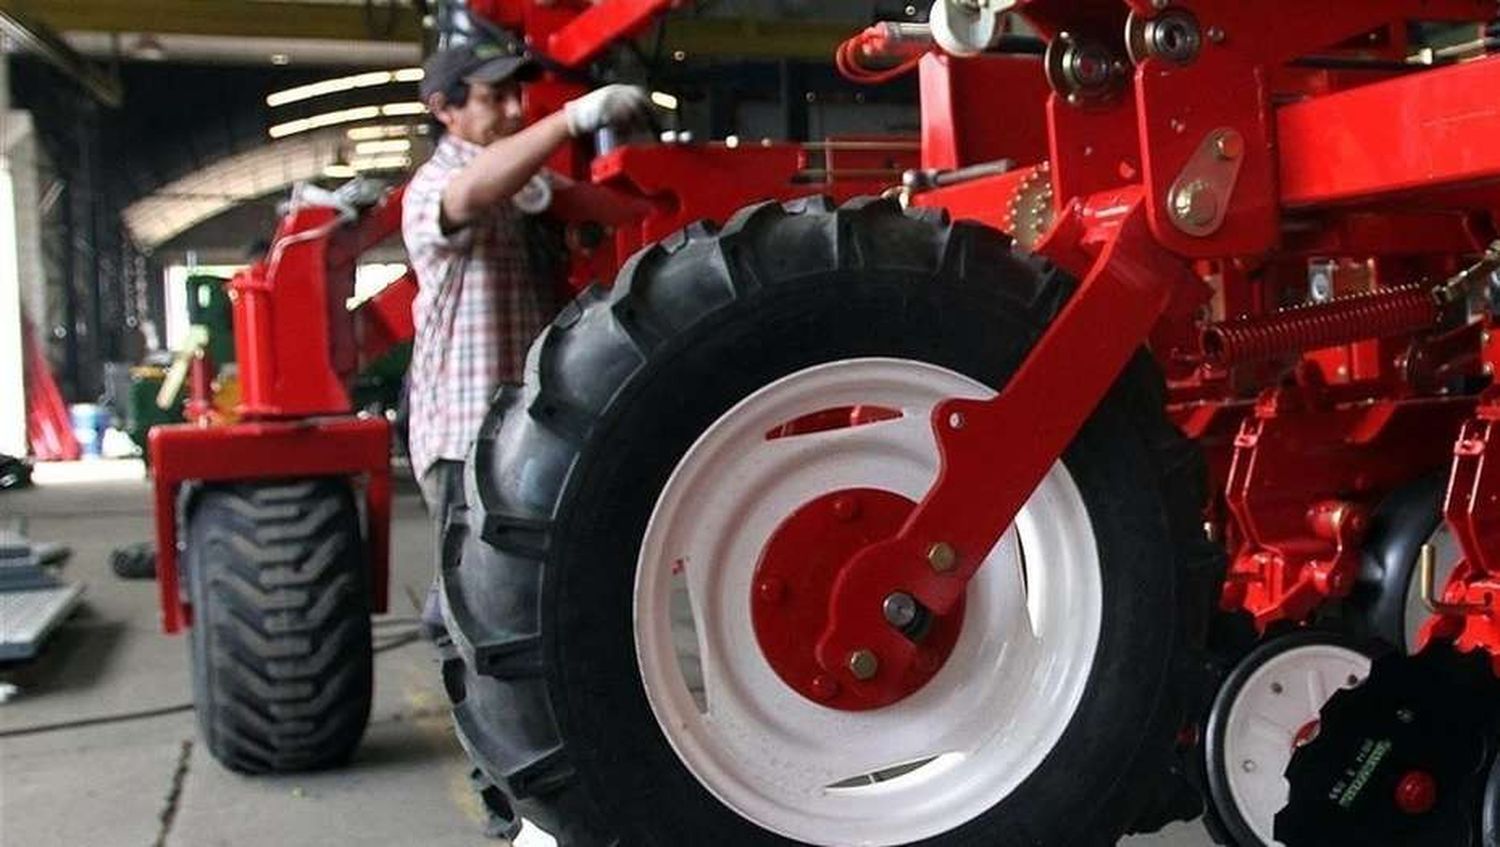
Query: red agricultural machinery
{"points": [[1131, 449]]}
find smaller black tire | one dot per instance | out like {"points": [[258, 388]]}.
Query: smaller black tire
{"points": [[1224, 818], [1386, 592], [280, 646], [1489, 815]]}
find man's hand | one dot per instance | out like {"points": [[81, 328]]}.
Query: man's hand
{"points": [[612, 105]]}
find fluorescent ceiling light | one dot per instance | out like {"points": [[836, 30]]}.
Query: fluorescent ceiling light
{"points": [[345, 116], [344, 83], [394, 109], [340, 172], [379, 163], [371, 133], [371, 148], [664, 100]]}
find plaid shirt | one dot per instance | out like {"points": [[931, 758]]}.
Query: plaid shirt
{"points": [[476, 312]]}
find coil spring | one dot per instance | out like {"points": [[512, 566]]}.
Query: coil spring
{"points": [[1392, 311]]}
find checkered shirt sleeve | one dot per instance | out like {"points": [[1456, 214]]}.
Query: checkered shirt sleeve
{"points": [[476, 312]]}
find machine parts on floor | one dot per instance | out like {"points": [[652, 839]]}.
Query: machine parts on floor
{"points": [[1402, 760], [134, 561], [33, 600]]}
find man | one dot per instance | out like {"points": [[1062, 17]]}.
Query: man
{"points": [[479, 304]]}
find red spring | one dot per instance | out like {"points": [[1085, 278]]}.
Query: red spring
{"points": [[1393, 311]]}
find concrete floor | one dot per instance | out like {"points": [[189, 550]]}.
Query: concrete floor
{"points": [[149, 781]]}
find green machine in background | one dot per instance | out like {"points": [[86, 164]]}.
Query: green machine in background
{"points": [[156, 395]]}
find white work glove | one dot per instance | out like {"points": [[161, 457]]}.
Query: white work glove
{"points": [[612, 105]]}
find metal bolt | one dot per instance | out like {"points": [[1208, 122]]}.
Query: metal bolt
{"points": [[1216, 34], [863, 665], [1405, 716], [1229, 145], [1195, 204], [825, 687], [1276, 688], [1248, 766], [942, 557], [900, 609], [956, 420]]}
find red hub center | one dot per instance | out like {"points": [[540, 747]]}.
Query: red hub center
{"points": [[790, 595], [1416, 793]]}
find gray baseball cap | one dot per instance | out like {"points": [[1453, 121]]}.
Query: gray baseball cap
{"points": [[480, 62]]}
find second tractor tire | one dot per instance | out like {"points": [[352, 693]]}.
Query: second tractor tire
{"points": [[281, 650]]}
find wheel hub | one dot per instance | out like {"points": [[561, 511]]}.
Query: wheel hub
{"points": [[794, 582]]}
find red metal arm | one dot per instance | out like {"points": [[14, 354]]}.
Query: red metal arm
{"points": [[1125, 290], [606, 23]]}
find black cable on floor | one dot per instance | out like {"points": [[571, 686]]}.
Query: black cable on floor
{"points": [[393, 642], [104, 719]]}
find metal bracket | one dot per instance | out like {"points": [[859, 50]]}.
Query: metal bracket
{"points": [[1200, 196], [1431, 597]]}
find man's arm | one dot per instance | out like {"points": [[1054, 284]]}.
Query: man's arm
{"points": [[501, 169]]}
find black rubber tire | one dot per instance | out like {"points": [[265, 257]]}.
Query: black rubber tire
{"points": [[280, 642], [1222, 817], [538, 573], [1489, 814], [1404, 522]]}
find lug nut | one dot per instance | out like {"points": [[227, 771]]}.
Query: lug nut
{"points": [[900, 609], [942, 557], [771, 590], [845, 508], [863, 665], [825, 687]]}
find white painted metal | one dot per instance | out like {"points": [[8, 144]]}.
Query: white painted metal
{"points": [[1281, 698], [926, 764]]}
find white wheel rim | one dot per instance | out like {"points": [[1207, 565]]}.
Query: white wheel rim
{"points": [[980, 727], [1448, 556], [1283, 695]]}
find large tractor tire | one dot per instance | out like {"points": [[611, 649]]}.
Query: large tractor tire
{"points": [[605, 677], [281, 651]]}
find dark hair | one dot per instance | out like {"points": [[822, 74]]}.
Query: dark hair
{"points": [[455, 95]]}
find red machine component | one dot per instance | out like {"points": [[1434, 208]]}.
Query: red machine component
{"points": [[298, 345], [1395, 311], [1305, 476], [1194, 132], [1468, 606], [794, 582]]}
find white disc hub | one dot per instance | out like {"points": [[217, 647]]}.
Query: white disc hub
{"points": [[912, 770], [1273, 711]]}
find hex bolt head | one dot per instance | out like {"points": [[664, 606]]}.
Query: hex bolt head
{"points": [[942, 557], [900, 609], [863, 665], [1195, 204]]}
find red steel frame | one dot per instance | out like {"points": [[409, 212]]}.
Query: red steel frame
{"points": [[1308, 464]]}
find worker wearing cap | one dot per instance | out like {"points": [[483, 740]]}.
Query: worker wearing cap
{"points": [[479, 304]]}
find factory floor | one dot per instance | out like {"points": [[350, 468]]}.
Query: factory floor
{"points": [[148, 781]]}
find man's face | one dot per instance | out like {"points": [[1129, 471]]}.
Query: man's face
{"points": [[492, 111]]}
